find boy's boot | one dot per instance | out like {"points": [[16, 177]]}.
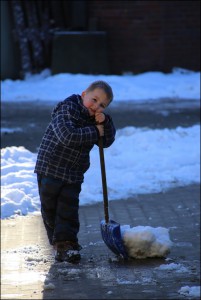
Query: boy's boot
{"points": [[67, 251]]}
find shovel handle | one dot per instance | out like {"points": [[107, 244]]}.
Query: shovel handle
{"points": [[104, 182]]}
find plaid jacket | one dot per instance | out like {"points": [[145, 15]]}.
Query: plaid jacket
{"points": [[68, 139]]}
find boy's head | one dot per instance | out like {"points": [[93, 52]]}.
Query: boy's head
{"points": [[97, 97], [100, 84]]}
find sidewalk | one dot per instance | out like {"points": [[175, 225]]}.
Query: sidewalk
{"points": [[28, 269]]}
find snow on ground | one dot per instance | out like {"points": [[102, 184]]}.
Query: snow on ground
{"points": [[182, 84], [193, 291]]}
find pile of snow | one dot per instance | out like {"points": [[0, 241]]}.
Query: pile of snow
{"points": [[151, 162], [146, 241], [193, 291], [180, 84]]}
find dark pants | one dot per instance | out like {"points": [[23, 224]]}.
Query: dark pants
{"points": [[59, 208]]}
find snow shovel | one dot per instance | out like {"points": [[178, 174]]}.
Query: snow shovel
{"points": [[110, 229]]}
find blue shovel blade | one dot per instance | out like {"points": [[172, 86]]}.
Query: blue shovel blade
{"points": [[111, 235]]}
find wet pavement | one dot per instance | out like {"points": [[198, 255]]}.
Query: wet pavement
{"points": [[28, 270]]}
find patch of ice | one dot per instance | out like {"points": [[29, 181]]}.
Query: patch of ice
{"points": [[173, 267]]}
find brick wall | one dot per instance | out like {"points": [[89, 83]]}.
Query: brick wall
{"points": [[148, 35]]}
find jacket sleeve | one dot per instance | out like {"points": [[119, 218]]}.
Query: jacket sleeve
{"points": [[64, 123]]}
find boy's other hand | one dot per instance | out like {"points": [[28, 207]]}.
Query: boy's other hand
{"points": [[100, 118]]}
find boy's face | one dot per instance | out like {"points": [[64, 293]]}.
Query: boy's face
{"points": [[95, 101]]}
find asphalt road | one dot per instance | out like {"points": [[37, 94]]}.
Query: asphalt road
{"points": [[23, 124]]}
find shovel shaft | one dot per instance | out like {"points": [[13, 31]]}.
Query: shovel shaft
{"points": [[104, 181]]}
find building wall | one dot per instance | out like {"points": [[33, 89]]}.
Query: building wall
{"points": [[141, 35], [149, 35]]}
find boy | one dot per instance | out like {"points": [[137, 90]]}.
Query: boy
{"points": [[63, 158]]}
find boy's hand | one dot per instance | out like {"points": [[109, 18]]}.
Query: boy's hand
{"points": [[100, 129], [100, 118]]}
